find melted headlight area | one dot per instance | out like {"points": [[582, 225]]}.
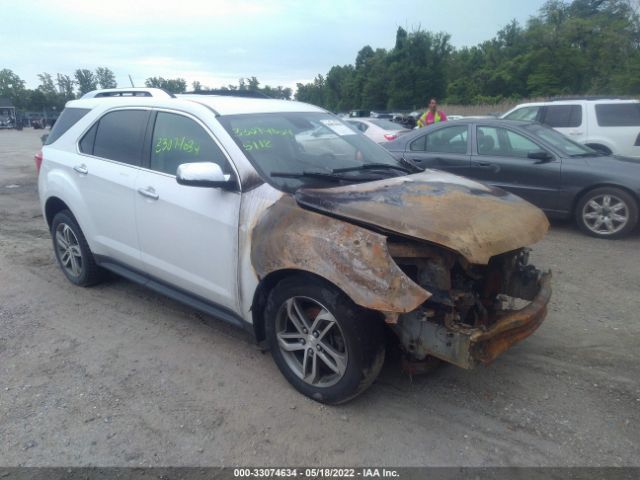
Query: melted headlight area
{"points": [[476, 311]]}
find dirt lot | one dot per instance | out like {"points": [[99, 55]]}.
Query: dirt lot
{"points": [[117, 375]]}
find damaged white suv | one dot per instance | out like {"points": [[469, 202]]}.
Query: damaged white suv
{"points": [[278, 217]]}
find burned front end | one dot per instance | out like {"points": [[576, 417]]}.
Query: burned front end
{"points": [[441, 258], [475, 312]]}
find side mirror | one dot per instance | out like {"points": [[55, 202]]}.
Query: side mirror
{"points": [[541, 156], [204, 174]]}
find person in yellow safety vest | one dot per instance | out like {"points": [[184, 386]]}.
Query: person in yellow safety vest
{"points": [[432, 115]]}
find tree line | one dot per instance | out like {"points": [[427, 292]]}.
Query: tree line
{"points": [[577, 48], [52, 93]]}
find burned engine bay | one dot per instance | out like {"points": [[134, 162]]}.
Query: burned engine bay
{"points": [[475, 312]]}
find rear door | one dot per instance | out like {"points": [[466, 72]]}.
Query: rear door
{"points": [[111, 154], [188, 235], [500, 158], [566, 119], [445, 148], [619, 123]]}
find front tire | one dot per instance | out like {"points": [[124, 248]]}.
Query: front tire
{"points": [[607, 212], [72, 251], [328, 348]]}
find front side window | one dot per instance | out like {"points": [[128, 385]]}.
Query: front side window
{"points": [[448, 140], [618, 114], [560, 142], [504, 143], [524, 113], [563, 116], [177, 140], [296, 149], [118, 136]]}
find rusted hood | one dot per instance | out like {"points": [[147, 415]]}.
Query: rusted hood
{"points": [[463, 215]]}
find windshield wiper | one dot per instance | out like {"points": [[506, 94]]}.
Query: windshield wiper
{"points": [[322, 175], [375, 166]]}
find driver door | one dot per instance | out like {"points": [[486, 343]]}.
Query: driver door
{"points": [[188, 235]]}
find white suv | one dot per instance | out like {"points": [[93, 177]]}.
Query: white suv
{"points": [[607, 125], [231, 206]]}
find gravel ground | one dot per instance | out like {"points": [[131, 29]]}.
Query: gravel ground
{"points": [[116, 375]]}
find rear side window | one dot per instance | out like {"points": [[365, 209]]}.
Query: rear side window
{"points": [[120, 136], [448, 140], [524, 113], [618, 114], [563, 116], [67, 119]]}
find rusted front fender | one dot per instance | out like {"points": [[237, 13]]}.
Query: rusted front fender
{"points": [[353, 258]]}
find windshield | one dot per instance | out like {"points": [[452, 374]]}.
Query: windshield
{"points": [[293, 150], [567, 146]]}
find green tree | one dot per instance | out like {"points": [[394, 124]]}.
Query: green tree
{"points": [[65, 86], [105, 78], [86, 81], [13, 88], [172, 85]]}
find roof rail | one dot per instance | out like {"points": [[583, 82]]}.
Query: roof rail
{"points": [[231, 93], [129, 92], [590, 97]]}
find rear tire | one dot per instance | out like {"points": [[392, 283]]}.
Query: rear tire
{"points": [[72, 251], [607, 212], [327, 347]]}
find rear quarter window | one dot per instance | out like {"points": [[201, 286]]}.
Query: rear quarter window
{"points": [[563, 116], [67, 119], [618, 114]]}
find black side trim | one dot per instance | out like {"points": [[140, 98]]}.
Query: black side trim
{"points": [[174, 293]]}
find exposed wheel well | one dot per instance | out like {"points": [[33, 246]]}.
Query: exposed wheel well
{"points": [[599, 147], [586, 190], [262, 293], [53, 206]]}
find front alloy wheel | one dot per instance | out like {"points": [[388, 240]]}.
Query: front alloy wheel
{"points": [[311, 341], [327, 347]]}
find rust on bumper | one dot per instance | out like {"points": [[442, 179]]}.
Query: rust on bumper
{"points": [[512, 327], [466, 346]]}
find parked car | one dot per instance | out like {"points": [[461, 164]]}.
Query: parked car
{"points": [[382, 115], [535, 162], [608, 125], [220, 203], [378, 130], [359, 113]]}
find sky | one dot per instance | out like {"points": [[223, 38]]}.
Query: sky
{"points": [[216, 42]]}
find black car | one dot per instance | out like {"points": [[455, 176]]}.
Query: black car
{"points": [[537, 163]]}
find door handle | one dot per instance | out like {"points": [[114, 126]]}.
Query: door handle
{"points": [[149, 192], [482, 164], [81, 169]]}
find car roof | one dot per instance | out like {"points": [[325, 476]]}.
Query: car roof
{"points": [[220, 104], [576, 101]]}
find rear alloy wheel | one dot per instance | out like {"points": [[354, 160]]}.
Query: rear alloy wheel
{"points": [[72, 251], [328, 348], [607, 212]]}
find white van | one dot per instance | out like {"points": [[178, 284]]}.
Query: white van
{"points": [[607, 125]]}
